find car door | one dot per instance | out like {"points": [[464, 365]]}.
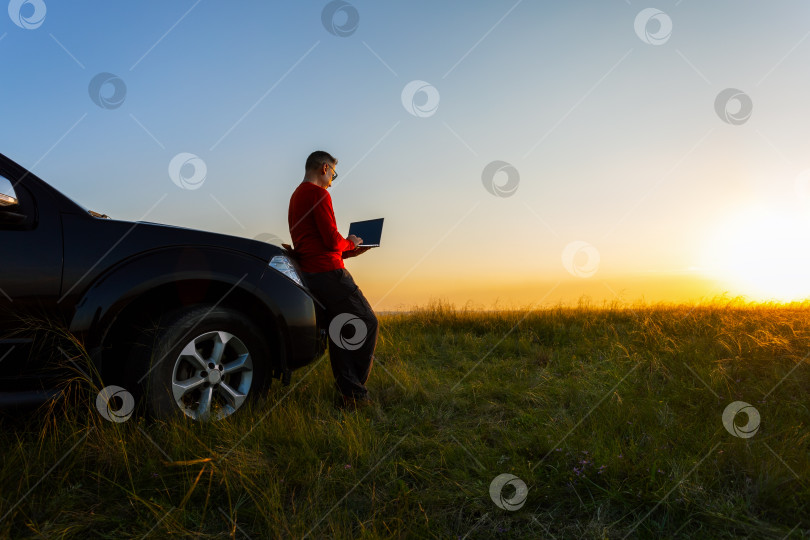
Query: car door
{"points": [[30, 275]]}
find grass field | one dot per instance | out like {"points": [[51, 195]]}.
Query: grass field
{"points": [[611, 416]]}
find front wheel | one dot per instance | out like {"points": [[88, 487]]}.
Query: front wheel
{"points": [[204, 362]]}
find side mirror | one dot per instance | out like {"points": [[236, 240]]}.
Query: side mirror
{"points": [[8, 216]]}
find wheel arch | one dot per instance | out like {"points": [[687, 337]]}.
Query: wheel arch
{"points": [[141, 312], [133, 294]]}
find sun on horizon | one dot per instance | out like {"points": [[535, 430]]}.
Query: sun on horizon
{"points": [[761, 253]]}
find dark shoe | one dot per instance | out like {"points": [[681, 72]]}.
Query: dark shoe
{"points": [[348, 403]]}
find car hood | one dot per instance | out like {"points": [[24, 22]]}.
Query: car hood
{"points": [[162, 235]]}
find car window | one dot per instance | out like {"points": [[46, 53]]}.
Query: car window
{"points": [[8, 197]]}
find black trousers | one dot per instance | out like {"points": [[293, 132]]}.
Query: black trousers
{"points": [[352, 328]]}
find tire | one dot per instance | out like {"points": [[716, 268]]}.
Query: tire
{"points": [[202, 362]]}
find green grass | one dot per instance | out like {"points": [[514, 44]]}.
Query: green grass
{"points": [[611, 415]]}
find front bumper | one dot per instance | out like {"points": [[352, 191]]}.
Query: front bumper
{"points": [[296, 317]]}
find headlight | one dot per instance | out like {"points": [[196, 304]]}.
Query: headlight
{"points": [[284, 265]]}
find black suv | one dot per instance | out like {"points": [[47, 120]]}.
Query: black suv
{"points": [[187, 320]]}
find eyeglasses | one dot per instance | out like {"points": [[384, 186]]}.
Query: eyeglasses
{"points": [[334, 172]]}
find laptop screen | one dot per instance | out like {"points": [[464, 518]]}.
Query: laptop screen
{"points": [[370, 231]]}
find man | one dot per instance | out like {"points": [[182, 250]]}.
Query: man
{"points": [[320, 249]]}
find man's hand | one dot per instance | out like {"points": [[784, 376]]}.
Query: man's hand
{"points": [[356, 240], [355, 252]]}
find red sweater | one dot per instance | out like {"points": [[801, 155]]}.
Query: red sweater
{"points": [[316, 241]]}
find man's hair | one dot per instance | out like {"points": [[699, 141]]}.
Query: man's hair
{"points": [[318, 158]]}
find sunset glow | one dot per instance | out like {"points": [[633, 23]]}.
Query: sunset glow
{"points": [[762, 254], [525, 154]]}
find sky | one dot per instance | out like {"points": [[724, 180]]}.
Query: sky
{"points": [[521, 152]]}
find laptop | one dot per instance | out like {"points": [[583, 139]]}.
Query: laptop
{"points": [[370, 231]]}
